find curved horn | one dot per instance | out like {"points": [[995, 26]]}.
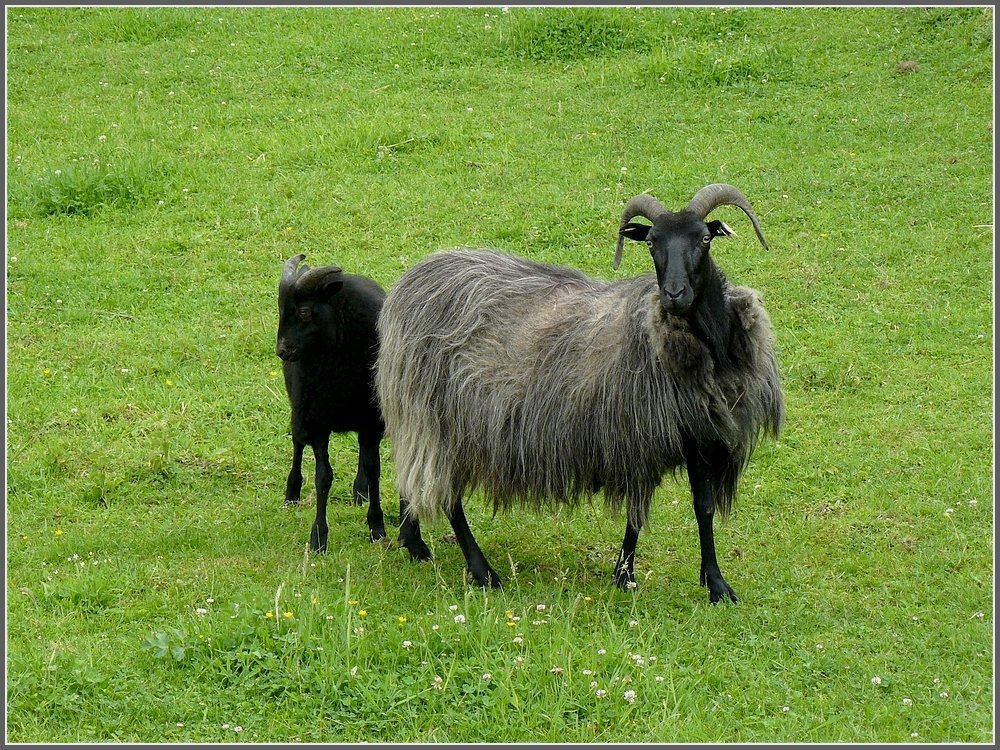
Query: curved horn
{"points": [[310, 280], [643, 205], [711, 197], [290, 270]]}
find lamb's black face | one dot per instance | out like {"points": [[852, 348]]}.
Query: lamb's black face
{"points": [[306, 318], [296, 322]]}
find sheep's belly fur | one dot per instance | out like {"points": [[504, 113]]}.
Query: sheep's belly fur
{"points": [[541, 385]]}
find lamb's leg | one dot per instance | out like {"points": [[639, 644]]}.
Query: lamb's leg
{"points": [[324, 479], [480, 570], [293, 487], [699, 476], [366, 483], [624, 571], [409, 533]]}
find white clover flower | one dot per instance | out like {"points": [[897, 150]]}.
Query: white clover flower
{"points": [[629, 696], [518, 640], [587, 672], [453, 608], [876, 680], [201, 611], [659, 678], [785, 709], [907, 701], [556, 670], [438, 682], [601, 652], [460, 619], [601, 693], [944, 693], [540, 607], [487, 677], [407, 644]]}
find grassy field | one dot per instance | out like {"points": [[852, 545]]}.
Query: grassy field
{"points": [[163, 163]]}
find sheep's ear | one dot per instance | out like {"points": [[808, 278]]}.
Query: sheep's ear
{"points": [[720, 229], [635, 231]]}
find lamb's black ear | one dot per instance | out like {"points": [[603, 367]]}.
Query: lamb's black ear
{"points": [[720, 229], [635, 231], [331, 285]]}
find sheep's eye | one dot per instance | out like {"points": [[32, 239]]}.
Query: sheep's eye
{"points": [[706, 239], [305, 314], [649, 244]]}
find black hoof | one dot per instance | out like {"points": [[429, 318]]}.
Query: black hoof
{"points": [[718, 589], [418, 550], [487, 579], [318, 540], [377, 533], [625, 579], [291, 500], [359, 499]]}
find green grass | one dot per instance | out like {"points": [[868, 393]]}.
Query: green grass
{"points": [[163, 163]]}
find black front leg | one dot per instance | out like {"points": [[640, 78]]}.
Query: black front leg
{"points": [[293, 487], [324, 479], [624, 567], [366, 483], [700, 473]]}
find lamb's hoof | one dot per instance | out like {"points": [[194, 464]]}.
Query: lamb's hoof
{"points": [[291, 501], [318, 540], [360, 499], [376, 534]]}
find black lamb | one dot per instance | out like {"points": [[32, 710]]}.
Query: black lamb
{"points": [[328, 343]]}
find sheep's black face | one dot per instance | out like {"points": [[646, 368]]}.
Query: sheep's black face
{"points": [[679, 245]]}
